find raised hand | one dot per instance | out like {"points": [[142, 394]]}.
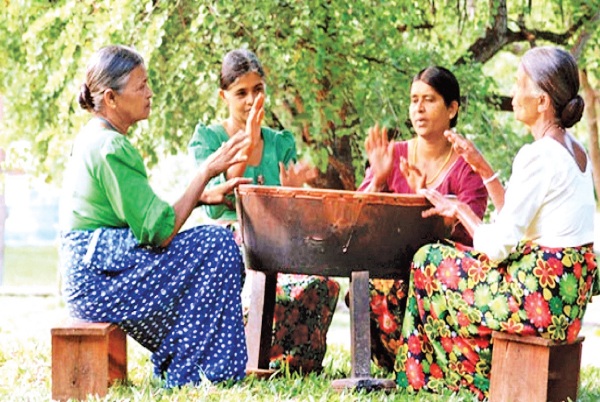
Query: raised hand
{"points": [[297, 174], [254, 121], [414, 177], [228, 154], [380, 152], [469, 152]]}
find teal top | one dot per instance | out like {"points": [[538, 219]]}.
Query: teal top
{"points": [[279, 146], [106, 185]]}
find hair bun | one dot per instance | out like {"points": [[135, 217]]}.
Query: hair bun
{"points": [[85, 98], [572, 112]]}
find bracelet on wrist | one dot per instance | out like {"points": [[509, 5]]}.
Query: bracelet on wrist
{"points": [[491, 178]]}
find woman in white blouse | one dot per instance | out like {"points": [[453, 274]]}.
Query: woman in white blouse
{"points": [[530, 271]]}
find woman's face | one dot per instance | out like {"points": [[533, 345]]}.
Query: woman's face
{"points": [[241, 94], [428, 111], [526, 98], [134, 102]]}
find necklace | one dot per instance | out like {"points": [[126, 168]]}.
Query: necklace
{"points": [[435, 176]]}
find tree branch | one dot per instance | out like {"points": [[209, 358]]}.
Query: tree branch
{"points": [[584, 37], [495, 37], [499, 35]]}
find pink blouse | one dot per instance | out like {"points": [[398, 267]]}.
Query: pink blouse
{"points": [[460, 180]]}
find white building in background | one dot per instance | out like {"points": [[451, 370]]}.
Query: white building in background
{"points": [[33, 205]]}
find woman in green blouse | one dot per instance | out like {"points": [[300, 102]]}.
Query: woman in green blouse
{"points": [[122, 256], [304, 304]]}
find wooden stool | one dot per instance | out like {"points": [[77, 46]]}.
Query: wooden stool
{"points": [[529, 368], [87, 357]]}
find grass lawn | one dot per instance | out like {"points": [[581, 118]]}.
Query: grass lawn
{"points": [[30, 266], [25, 368]]}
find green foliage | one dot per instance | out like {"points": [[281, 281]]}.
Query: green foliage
{"points": [[333, 68]]}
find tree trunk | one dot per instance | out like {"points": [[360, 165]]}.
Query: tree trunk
{"points": [[3, 214], [591, 117]]}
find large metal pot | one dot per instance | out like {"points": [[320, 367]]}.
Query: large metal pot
{"points": [[333, 232]]}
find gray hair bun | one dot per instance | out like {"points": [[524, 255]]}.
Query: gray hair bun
{"points": [[572, 112], [85, 98]]}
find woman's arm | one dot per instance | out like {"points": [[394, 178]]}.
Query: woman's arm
{"points": [[217, 195], [450, 208], [227, 155], [480, 165]]}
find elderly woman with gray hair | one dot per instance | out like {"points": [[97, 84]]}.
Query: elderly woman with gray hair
{"points": [[122, 256], [531, 271]]}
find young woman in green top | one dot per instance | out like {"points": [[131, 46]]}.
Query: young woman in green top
{"points": [[123, 258], [304, 304]]}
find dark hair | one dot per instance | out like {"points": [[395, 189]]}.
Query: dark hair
{"points": [[555, 72], [444, 82], [237, 63], [109, 68]]}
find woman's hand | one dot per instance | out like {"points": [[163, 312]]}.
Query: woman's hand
{"points": [[218, 194], [470, 153], [445, 206], [297, 174], [480, 165], [380, 152], [254, 121], [415, 179], [228, 154], [451, 209]]}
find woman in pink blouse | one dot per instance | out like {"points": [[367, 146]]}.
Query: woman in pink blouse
{"points": [[426, 161]]}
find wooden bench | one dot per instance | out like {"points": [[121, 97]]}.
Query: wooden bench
{"points": [[86, 359], [529, 368]]}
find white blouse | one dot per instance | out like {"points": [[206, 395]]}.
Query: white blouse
{"points": [[548, 200]]}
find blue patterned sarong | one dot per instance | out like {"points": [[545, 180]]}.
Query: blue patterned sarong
{"points": [[181, 302]]}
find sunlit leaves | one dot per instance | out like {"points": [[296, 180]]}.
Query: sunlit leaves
{"points": [[333, 67]]}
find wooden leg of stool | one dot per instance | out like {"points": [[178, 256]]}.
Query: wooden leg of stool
{"points": [[86, 359], [528, 368], [519, 372], [563, 376], [117, 356]]}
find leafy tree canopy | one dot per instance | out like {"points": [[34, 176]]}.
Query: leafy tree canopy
{"points": [[334, 67]]}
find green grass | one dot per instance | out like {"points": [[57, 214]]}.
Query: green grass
{"points": [[25, 365], [30, 266], [25, 376]]}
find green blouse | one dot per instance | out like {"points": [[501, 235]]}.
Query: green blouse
{"points": [[107, 186], [279, 146]]}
